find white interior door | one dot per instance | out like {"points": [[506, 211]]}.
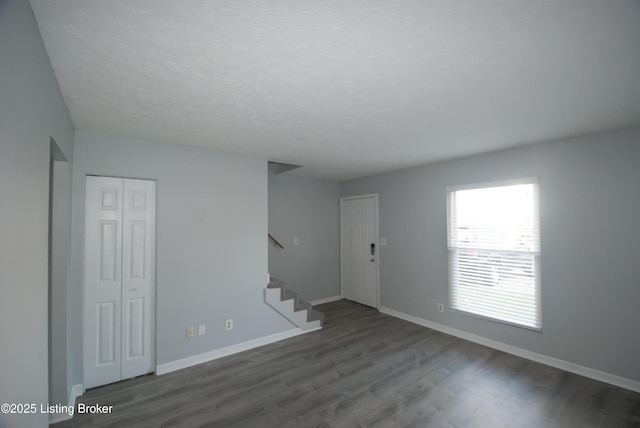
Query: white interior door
{"points": [[102, 280], [119, 279], [359, 249], [138, 277]]}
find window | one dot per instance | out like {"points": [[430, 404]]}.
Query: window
{"points": [[494, 251]]}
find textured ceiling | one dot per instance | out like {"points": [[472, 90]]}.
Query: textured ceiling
{"points": [[346, 88]]}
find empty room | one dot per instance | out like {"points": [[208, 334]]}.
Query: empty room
{"points": [[319, 213]]}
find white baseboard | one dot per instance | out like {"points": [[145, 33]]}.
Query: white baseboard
{"points": [[533, 356], [76, 391], [229, 350], [325, 300]]}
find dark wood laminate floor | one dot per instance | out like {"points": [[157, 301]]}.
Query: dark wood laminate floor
{"points": [[365, 369]]}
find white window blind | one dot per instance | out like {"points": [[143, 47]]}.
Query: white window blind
{"points": [[494, 251]]}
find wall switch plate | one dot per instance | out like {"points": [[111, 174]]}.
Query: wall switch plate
{"points": [[383, 242], [202, 330], [190, 332], [228, 325], [296, 241]]}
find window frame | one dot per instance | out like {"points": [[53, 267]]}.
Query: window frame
{"points": [[450, 190]]}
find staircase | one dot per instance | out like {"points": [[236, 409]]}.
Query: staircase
{"points": [[292, 307]]}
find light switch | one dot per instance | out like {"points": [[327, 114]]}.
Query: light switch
{"points": [[296, 241], [383, 241]]}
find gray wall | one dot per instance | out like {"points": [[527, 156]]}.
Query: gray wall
{"points": [[211, 246], [590, 244], [60, 344], [309, 210], [31, 112]]}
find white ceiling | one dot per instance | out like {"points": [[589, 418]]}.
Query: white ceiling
{"points": [[346, 88]]}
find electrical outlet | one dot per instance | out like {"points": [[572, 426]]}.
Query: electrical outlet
{"points": [[440, 307], [190, 332], [228, 325], [202, 330]]}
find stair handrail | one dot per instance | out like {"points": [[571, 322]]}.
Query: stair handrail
{"points": [[275, 241]]}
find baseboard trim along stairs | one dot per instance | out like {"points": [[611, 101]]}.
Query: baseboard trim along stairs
{"points": [[291, 306], [66, 412]]}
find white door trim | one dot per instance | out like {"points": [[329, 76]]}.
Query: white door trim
{"points": [[377, 241]]}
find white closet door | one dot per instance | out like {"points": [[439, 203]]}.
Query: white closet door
{"points": [[103, 280], [119, 279], [138, 277]]}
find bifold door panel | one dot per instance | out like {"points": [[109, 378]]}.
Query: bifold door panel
{"points": [[119, 279]]}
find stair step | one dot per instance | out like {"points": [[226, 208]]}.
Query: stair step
{"points": [[291, 306], [301, 305], [275, 283], [288, 294], [314, 315]]}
